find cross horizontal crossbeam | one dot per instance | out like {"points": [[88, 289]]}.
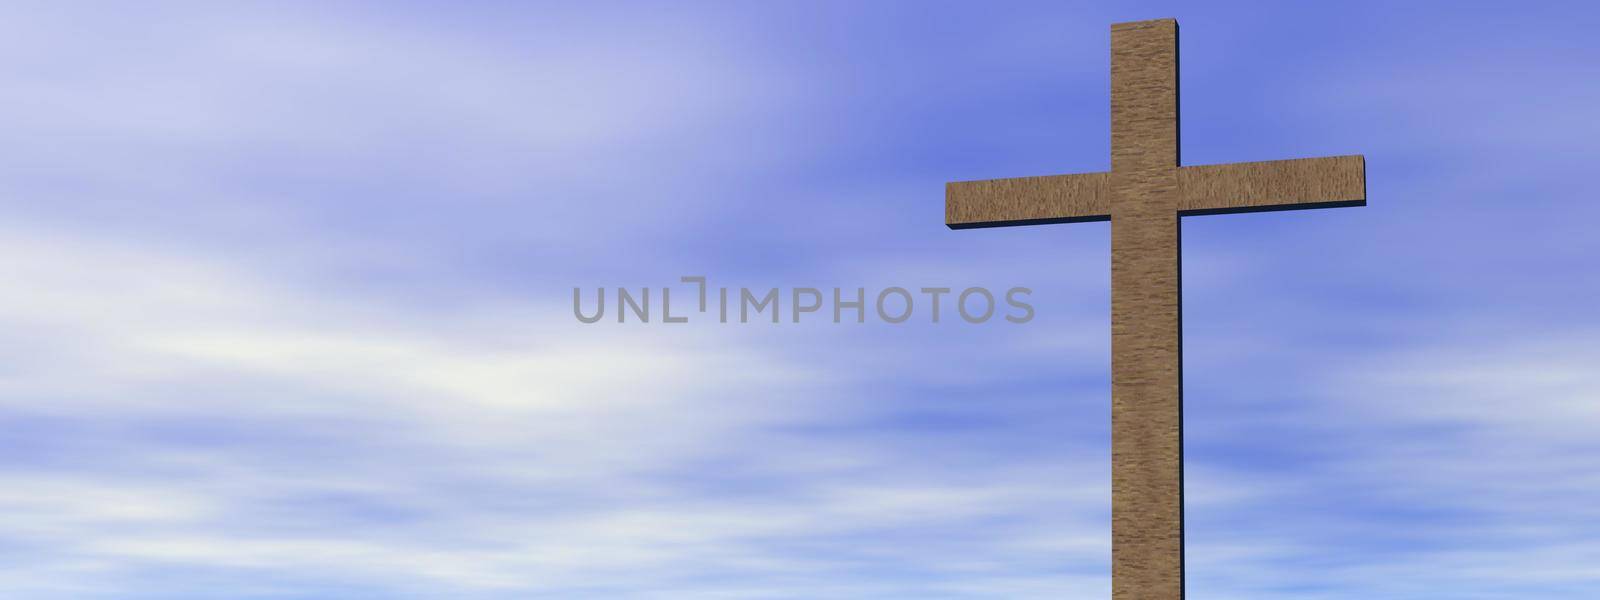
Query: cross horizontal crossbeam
{"points": [[1293, 184]]}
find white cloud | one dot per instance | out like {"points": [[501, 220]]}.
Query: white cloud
{"points": [[346, 438]]}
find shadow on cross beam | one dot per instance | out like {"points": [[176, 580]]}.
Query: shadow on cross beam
{"points": [[1269, 208], [1019, 222]]}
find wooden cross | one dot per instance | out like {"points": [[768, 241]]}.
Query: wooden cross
{"points": [[1143, 196]]}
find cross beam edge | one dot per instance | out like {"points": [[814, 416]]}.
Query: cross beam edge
{"points": [[1028, 200], [1327, 182]]}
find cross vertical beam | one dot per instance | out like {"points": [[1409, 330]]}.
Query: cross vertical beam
{"points": [[1146, 353]]}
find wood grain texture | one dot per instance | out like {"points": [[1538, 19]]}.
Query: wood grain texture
{"points": [[1144, 95], [1274, 185], [1027, 201], [1146, 358], [1145, 195]]}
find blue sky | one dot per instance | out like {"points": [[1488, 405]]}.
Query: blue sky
{"points": [[289, 302]]}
